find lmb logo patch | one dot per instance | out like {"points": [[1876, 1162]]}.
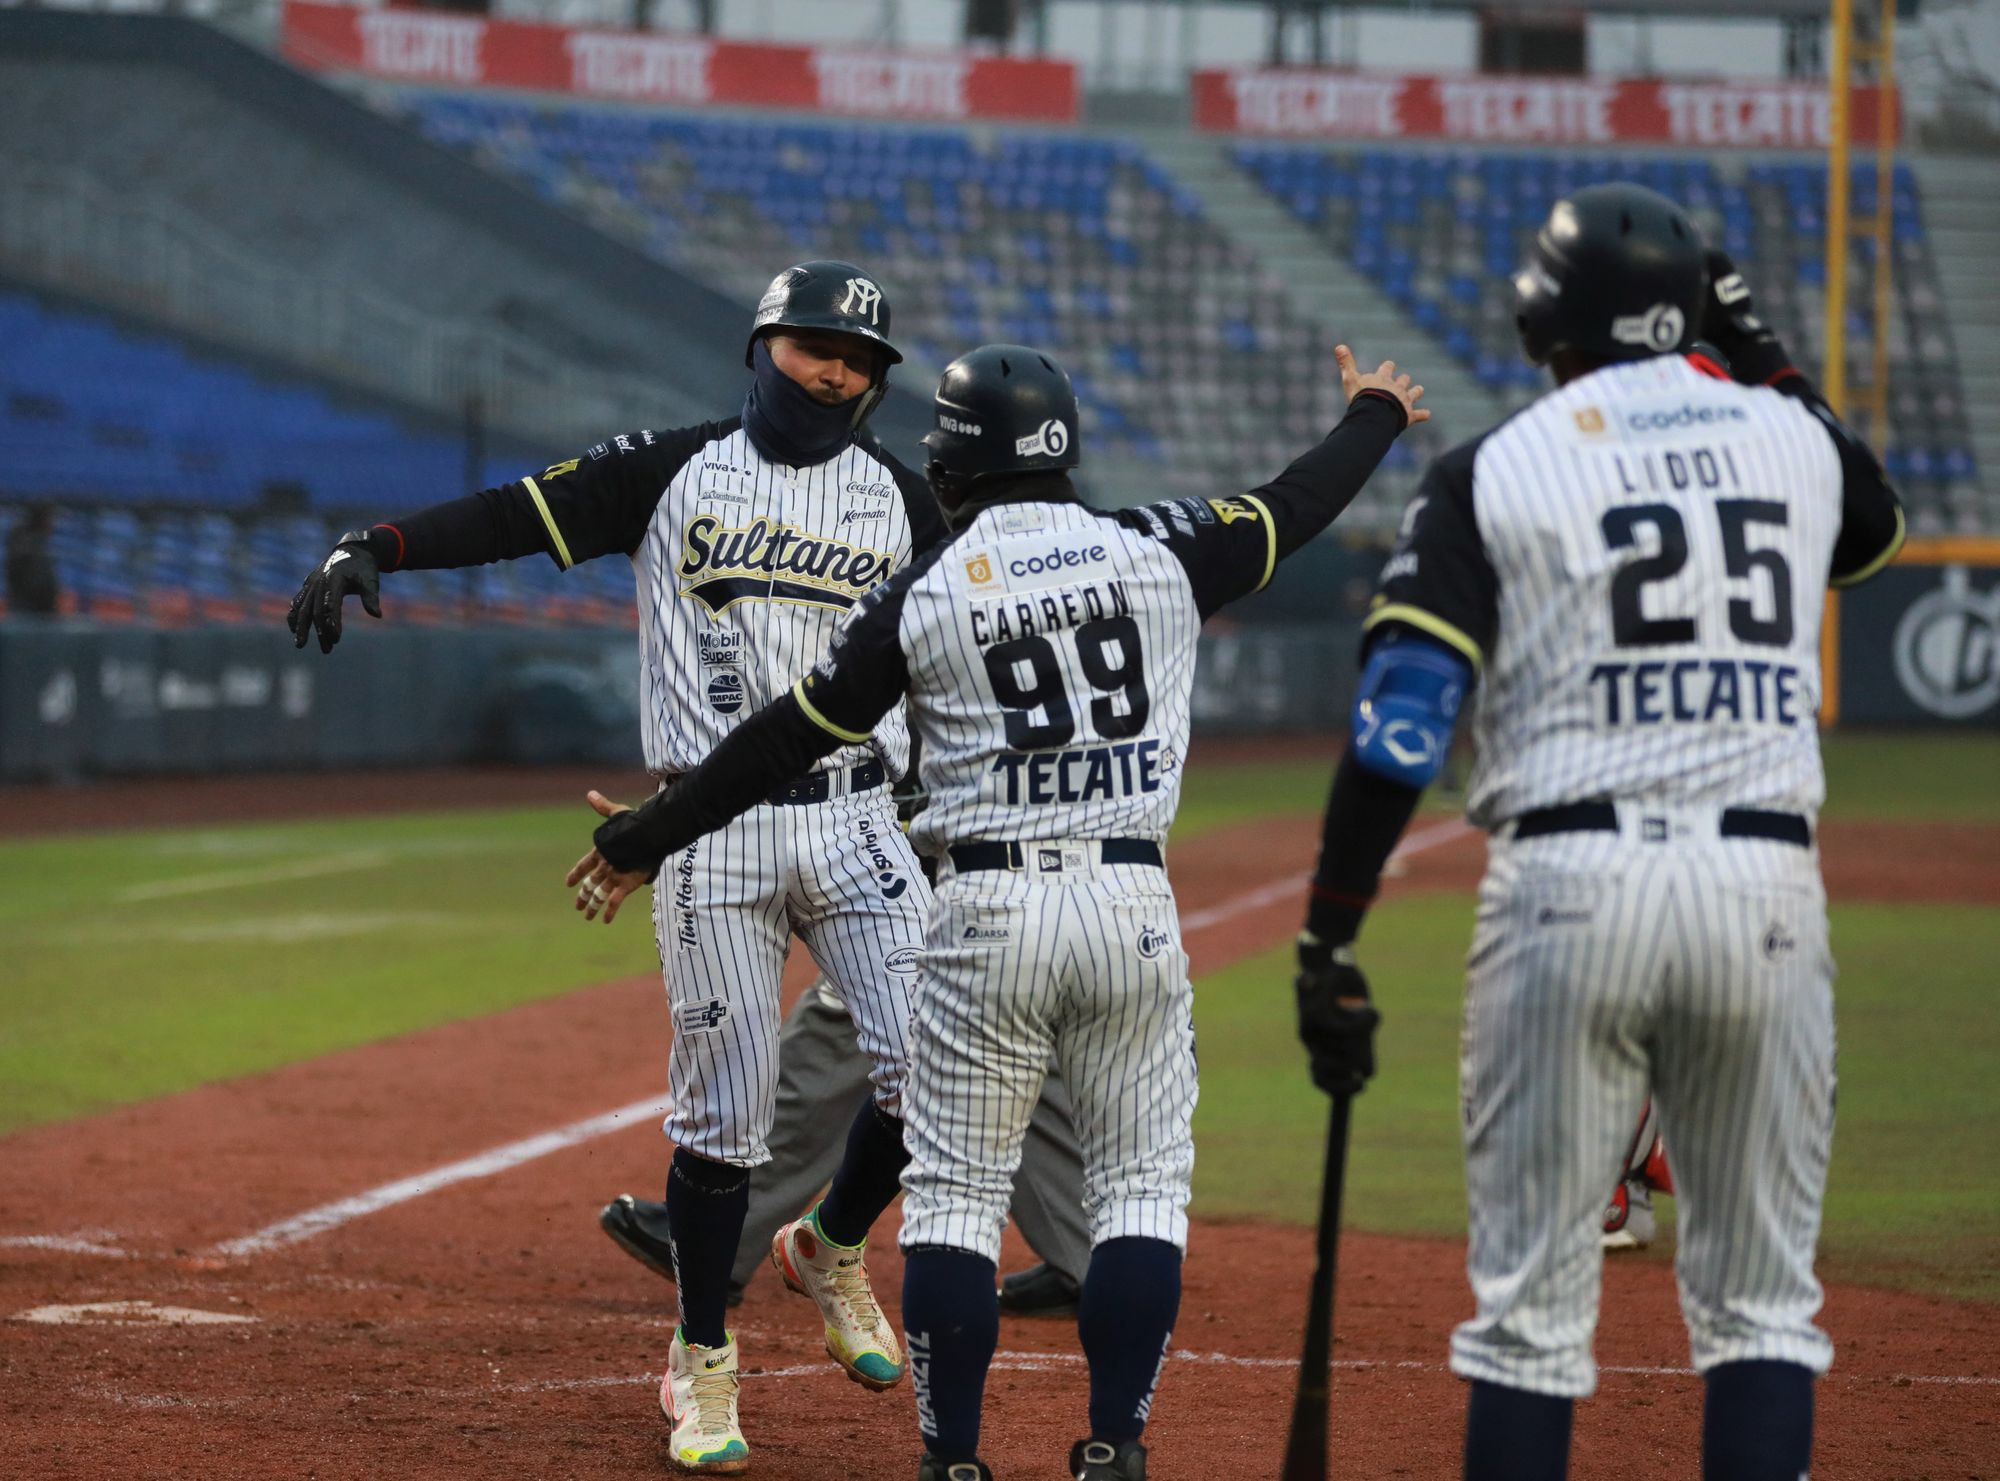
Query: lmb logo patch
{"points": [[701, 1018]]}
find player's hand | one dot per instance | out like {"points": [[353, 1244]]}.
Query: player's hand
{"points": [[1383, 378], [350, 568], [1336, 1020], [598, 884], [1729, 321]]}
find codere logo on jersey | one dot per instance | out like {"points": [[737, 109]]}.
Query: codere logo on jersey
{"points": [[722, 565]]}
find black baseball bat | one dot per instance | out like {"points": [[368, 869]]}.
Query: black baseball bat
{"points": [[1305, 1447]]}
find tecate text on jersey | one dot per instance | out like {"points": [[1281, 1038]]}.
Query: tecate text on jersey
{"points": [[1084, 774], [1654, 691]]}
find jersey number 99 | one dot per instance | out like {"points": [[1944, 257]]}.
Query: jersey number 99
{"points": [[1108, 650]]}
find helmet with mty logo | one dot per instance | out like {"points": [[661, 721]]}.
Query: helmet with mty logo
{"points": [[1617, 272], [826, 295], [1002, 411]]}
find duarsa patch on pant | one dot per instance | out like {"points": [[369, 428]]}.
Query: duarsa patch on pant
{"points": [[700, 1018]]}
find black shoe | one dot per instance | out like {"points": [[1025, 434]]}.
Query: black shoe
{"points": [[930, 1468], [1100, 1460], [638, 1226], [1040, 1290]]}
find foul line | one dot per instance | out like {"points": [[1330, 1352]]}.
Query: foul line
{"points": [[332, 1215], [1292, 885], [318, 1221], [1043, 1362], [261, 874]]}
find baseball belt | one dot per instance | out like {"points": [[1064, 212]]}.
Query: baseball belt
{"points": [[968, 857], [1602, 817]]}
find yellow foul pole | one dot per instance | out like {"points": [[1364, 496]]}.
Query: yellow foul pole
{"points": [[1833, 377]]}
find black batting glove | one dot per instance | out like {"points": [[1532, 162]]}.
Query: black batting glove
{"points": [[1729, 321], [639, 839], [1336, 1021], [350, 568]]}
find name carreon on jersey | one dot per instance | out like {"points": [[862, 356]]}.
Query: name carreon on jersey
{"points": [[1080, 635]]}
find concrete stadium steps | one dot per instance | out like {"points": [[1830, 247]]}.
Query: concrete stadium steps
{"points": [[1962, 213], [1325, 290]]}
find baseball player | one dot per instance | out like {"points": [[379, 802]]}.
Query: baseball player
{"points": [[822, 1083], [1047, 653], [751, 538], [1632, 571], [1628, 1217]]}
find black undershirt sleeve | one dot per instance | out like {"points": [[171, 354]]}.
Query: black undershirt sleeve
{"points": [[862, 676], [1871, 516], [772, 747], [1230, 547], [596, 504], [1366, 814]]}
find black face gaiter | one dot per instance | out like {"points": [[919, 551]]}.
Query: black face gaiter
{"points": [[786, 425]]}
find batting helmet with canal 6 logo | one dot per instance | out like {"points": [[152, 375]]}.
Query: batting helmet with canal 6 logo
{"points": [[1617, 272], [1003, 411]]}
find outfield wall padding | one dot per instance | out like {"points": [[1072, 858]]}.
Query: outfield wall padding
{"points": [[81, 700]]}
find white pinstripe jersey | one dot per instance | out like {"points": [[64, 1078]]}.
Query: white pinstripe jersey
{"points": [[1638, 563], [745, 569], [1048, 653]]}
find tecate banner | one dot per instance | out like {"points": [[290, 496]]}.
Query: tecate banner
{"points": [[1705, 114], [633, 66]]}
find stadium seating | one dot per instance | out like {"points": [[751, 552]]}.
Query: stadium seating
{"points": [[157, 460], [1443, 232], [1188, 361]]}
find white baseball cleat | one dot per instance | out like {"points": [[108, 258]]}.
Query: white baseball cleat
{"points": [[1628, 1218], [698, 1397], [859, 1336]]}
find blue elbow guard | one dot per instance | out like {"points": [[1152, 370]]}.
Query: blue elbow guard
{"points": [[1408, 702]]}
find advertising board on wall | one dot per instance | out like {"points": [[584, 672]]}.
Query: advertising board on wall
{"points": [[1695, 113], [429, 46]]}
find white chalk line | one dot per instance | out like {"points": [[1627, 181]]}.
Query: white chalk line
{"points": [[261, 874], [329, 1216], [68, 1244], [1293, 885], [484, 1165], [1048, 1362]]}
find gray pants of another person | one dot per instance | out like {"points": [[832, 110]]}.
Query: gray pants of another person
{"points": [[822, 1080]]}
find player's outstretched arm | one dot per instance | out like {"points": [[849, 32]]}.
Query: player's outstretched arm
{"points": [[861, 678], [1321, 482], [1231, 547], [589, 506]]}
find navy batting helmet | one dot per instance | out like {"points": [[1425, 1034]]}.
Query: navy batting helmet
{"points": [[1616, 273], [827, 295], [1001, 410]]}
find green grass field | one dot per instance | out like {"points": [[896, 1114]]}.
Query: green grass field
{"points": [[144, 963]]}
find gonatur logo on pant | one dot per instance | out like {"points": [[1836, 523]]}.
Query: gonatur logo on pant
{"points": [[700, 1018], [1152, 942]]}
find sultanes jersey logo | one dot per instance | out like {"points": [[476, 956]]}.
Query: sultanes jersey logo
{"points": [[979, 569], [722, 565]]}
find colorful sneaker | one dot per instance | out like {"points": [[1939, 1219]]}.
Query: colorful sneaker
{"points": [[1100, 1460], [1628, 1218], [858, 1334], [698, 1397]]}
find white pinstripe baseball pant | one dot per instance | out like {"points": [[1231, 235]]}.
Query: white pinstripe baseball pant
{"points": [[1084, 964], [1661, 957], [842, 876]]}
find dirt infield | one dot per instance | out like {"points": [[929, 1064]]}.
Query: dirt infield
{"points": [[487, 1329]]}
